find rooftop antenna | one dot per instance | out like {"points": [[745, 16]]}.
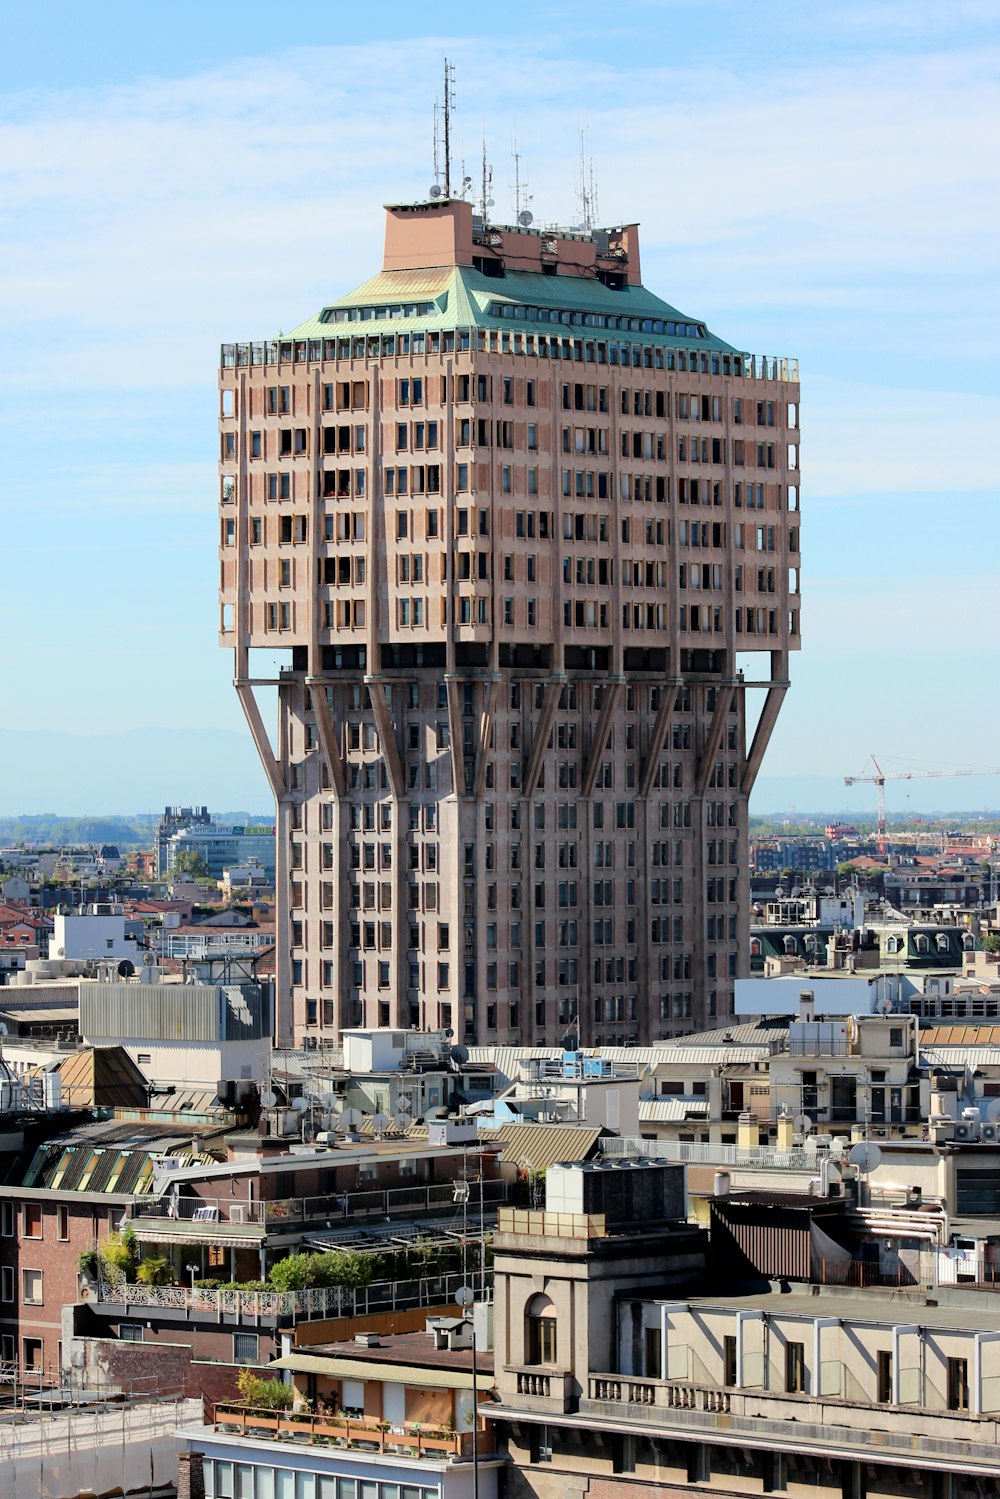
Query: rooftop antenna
{"points": [[466, 180], [486, 190], [435, 188], [587, 189], [442, 137], [449, 101], [522, 214]]}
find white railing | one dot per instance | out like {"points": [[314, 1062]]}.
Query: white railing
{"points": [[319, 1302], [749, 1157]]}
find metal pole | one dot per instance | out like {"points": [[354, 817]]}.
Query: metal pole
{"points": [[475, 1413]]}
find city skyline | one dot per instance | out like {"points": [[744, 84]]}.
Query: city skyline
{"points": [[810, 190]]}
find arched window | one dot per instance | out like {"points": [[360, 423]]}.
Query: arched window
{"points": [[540, 1339], [790, 947], [755, 947], [922, 942], [893, 945], [943, 945]]}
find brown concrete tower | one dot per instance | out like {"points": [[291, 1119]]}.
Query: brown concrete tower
{"points": [[512, 518]]}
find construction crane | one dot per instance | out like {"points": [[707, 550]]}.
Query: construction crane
{"points": [[879, 779]]}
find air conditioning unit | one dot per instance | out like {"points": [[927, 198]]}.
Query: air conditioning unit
{"points": [[238, 1213], [990, 1132], [964, 1132]]}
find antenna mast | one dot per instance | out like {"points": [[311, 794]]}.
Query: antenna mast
{"points": [[437, 161], [587, 190], [521, 195], [486, 197], [449, 100]]}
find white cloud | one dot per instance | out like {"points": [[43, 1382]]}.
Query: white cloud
{"points": [[171, 203], [860, 439]]}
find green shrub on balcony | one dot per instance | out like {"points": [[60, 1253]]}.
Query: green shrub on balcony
{"points": [[120, 1255], [264, 1394], [303, 1272], [155, 1271]]}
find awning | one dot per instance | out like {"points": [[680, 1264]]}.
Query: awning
{"points": [[386, 1373]]}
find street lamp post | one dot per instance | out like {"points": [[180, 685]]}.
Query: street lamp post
{"points": [[192, 1270]]}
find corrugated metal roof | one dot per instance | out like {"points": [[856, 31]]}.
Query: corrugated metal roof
{"points": [[539, 1146], [960, 1056], [715, 1056], [671, 1110], [509, 1060]]}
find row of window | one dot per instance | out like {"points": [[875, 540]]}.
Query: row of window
{"points": [[32, 1224], [237, 1480], [523, 312], [393, 345]]}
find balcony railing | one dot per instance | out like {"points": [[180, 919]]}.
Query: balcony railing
{"points": [[362, 1434], [315, 1304], [543, 1389], [759, 1415], [333, 1210], [604, 346], [749, 1157]]}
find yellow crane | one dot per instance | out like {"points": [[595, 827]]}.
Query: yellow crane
{"points": [[880, 777]]}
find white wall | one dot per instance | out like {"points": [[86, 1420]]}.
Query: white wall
{"points": [[82, 936], [780, 995], [193, 1064]]}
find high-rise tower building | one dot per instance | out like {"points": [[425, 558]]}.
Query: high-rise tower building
{"points": [[515, 521]]}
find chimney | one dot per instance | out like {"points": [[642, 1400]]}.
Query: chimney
{"points": [[807, 1001], [786, 1130]]}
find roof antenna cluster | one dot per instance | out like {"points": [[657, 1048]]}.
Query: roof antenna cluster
{"points": [[522, 214], [586, 192], [442, 137]]}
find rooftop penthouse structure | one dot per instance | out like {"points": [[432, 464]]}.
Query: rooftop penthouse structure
{"points": [[508, 519]]}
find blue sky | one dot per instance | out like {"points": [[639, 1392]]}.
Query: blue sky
{"points": [[812, 180]]}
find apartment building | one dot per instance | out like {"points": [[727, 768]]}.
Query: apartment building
{"points": [[607, 1386], [511, 524]]}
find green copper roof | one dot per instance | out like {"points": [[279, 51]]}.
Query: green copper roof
{"points": [[460, 297]]}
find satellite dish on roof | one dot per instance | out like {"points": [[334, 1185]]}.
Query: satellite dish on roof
{"points": [[300, 1105], [350, 1119], [403, 1121], [803, 1123], [993, 1110], [126, 968], [525, 218], [866, 1156], [328, 1100], [269, 1099], [460, 1054], [380, 1123], [434, 191]]}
